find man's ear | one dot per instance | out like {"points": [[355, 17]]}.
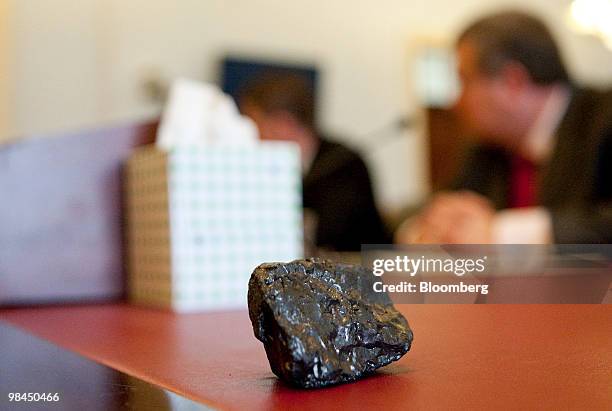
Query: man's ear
{"points": [[515, 76]]}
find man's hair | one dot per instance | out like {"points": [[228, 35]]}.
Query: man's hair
{"points": [[280, 91], [514, 36]]}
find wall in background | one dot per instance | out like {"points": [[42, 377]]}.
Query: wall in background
{"points": [[5, 43], [74, 64]]}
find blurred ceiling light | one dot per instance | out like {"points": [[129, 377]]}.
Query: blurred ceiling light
{"points": [[592, 17]]}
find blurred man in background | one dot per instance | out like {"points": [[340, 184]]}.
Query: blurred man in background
{"points": [[337, 189], [541, 171]]}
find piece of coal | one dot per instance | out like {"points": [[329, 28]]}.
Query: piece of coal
{"points": [[321, 323]]}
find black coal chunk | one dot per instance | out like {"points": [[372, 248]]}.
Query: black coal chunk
{"points": [[321, 323]]}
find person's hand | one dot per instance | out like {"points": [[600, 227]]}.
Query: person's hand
{"points": [[461, 217]]}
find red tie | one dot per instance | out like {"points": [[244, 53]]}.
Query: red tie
{"points": [[523, 181]]}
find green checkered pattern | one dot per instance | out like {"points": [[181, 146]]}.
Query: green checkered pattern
{"points": [[202, 218]]}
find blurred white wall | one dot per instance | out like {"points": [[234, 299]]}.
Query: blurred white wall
{"points": [[5, 55], [74, 64]]}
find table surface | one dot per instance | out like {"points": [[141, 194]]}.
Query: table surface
{"points": [[463, 356], [70, 381]]}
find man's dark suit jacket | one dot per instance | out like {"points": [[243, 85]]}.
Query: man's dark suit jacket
{"points": [[338, 190], [575, 185]]}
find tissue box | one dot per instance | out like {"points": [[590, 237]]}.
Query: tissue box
{"points": [[200, 219]]}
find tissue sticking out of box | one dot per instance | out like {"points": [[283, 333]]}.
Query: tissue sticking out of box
{"points": [[201, 114]]}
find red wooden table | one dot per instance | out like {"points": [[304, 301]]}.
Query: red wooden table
{"points": [[463, 356]]}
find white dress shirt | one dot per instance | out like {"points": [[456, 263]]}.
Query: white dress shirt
{"points": [[533, 225]]}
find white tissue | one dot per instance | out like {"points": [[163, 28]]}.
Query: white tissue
{"points": [[201, 114]]}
